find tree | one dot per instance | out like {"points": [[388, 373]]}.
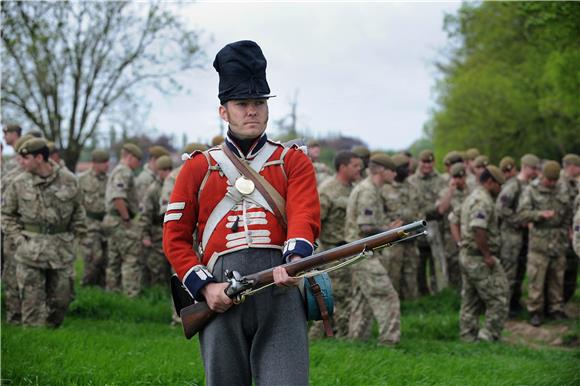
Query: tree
{"points": [[511, 80], [68, 67]]}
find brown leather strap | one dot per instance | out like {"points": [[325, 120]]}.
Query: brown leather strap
{"points": [[321, 306], [270, 194]]}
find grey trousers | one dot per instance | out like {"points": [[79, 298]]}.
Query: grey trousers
{"points": [[263, 339]]}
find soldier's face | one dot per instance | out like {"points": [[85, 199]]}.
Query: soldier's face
{"points": [[389, 175], [354, 168], [426, 167], [247, 118], [460, 182], [314, 152], [10, 137], [163, 173], [133, 162], [30, 163], [101, 167], [548, 183]]}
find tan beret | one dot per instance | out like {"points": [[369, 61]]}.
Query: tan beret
{"points": [[21, 140], [157, 151], [217, 140], [134, 150], [164, 162], [481, 160], [472, 153], [571, 159], [191, 147], [426, 156], [507, 164], [496, 174], [361, 151], [551, 170], [99, 155], [13, 128], [32, 146], [530, 160], [457, 170], [383, 160], [452, 157], [400, 160]]}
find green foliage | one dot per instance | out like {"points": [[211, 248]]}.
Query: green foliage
{"points": [[511, 82], [110, 339]]}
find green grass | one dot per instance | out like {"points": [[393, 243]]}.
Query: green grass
{"points": [[108, 339]]}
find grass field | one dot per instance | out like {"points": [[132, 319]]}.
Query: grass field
{"points": [[108, 339]]}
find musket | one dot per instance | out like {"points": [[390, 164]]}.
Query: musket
{"points": [[194, 316]]}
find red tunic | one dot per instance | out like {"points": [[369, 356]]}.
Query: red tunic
{"points": [[296, 184]]}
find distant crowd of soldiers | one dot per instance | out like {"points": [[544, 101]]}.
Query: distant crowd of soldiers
{"points": [[487, 226]]}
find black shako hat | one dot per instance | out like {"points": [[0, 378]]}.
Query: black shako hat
{"points": [[242, 70]]}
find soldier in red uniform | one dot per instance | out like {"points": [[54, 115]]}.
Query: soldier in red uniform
{"points": [[263, 340]]}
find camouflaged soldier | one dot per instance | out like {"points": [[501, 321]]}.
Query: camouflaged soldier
{"points": [[149, 173], [373, 293], [322, 171], [169, 182], [124, 257], [484, 281], [12, 133], [150, 222], [450, 159], [512, 227], [405, 208], [547, 207], [576, 227], [449, 206], [333, 194], [9, 283], [428, 183], [43, 211], [470, 156], [93, 184], [569, 181]]}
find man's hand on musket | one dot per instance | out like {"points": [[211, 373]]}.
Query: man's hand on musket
{"points": [[216, 298], [281, 277]]}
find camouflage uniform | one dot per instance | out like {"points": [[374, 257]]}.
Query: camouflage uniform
{"points": [[44, 214], [94, 246], [512, 233], [451, 248], [167, 188], [151, 225], [333, 202], [142, 182], [373, 292], [547, 245], [570, 185], [125, 262], [576, 229], [9, 283], [483, 287], [427, 188], [322, 171], [400, 260]]}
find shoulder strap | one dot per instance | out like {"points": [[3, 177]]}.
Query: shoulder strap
{"points": [[274, 199]]}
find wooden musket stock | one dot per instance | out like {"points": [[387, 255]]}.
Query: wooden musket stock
{"points": [[194, 317]]}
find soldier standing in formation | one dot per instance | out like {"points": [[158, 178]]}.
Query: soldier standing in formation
{"points": [[149, 173], [156, 267], [470, 156], [124, 260], [484, 281], [569, 182], [373, 292], [93, 184], [322, 171], [427, 184], [43, 211], [405, 208], [449, 206], [545, 205], [334, 194], [513, 229]]}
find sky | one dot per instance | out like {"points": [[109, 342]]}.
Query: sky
{"points": [[359, 69]]}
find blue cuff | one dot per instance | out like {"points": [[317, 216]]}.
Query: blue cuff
{"points": [[197, 278], [300, 247]]}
